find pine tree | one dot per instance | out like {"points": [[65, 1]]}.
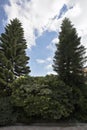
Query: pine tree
{"points": [[69, 57], [13, 59]]}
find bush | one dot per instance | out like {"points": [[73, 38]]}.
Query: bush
{"points": [[7, 116], [81, 111], [46, 98]]}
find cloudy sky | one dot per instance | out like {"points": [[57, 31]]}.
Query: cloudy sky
{"points": [[41, 20]]}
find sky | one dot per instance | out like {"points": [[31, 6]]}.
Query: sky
{"points": [[41, 21]]}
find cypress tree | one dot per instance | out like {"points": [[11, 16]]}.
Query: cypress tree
{"points": [[13, 59], [70, 56]]}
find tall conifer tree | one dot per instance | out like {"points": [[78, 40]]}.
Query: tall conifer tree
{"points": [[13, 59], [69, 57]]}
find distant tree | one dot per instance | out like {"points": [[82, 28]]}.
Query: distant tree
{"points": [[13, 59], [69, 57]]}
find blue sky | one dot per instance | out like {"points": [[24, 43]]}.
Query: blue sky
{"points": [[41, 21]]}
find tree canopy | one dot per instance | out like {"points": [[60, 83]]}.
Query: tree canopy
{"points": [[13, 59], [69, 57]]}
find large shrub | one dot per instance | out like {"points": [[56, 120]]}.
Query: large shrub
{"points": [[46, 98], [7, 114], [81, 108]]}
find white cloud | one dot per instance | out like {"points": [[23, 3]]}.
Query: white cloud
{"points": [[49, 59], [49, 66], [49, 69], [51, 72], [38, 14], [52, 46], [40, 61], [46, 61], [34, 14], [55, 40]]}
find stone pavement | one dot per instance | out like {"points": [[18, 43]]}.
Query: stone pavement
{"points": [[84, 127]]}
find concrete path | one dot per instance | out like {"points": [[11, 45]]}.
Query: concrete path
{"points": [[44, 128]]}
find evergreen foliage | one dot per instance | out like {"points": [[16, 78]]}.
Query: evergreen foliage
{"points": [[13, 59], [69, 57]]}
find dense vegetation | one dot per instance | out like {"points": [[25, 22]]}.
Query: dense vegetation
{"points": [[53, 98], [13, 59], [70, 56]]}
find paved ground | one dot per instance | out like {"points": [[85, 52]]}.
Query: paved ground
{"points": [[44, 128]]}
